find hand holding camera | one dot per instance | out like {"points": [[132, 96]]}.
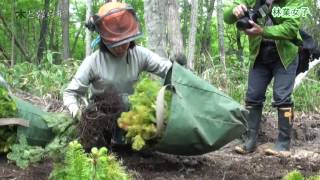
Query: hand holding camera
{"points": [[240, 10], [247, 19]]}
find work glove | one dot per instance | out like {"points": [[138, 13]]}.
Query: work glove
{"points": [[75, 111], [125, 101], [180, 58]]}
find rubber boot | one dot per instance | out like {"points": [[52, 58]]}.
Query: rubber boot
{"points": [[254, 120], [282, 145]]}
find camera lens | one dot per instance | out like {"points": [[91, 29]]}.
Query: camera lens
{"points": [[243, 23]]}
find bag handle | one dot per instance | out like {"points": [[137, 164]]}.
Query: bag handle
{"points": [[14, 121], [160, 110]]}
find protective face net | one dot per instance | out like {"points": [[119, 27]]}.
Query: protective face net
{"points": [[118, 27]]}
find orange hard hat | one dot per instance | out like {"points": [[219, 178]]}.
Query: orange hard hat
{"points": [[117, 24]]}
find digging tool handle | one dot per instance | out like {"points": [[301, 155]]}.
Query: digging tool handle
{"points": [[160, 110], [14, 121]]}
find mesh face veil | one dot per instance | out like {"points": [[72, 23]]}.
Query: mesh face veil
{"points": [[117, 24]]}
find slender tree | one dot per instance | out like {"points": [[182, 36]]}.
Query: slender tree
{"points": [[221, 40], [193, 33], [13, 14], [240, 47], [11, 34], [3, 53], [65, 28], [43, 31], [53, 40], [206, 36], [88, 32], [185, 17], [74, 46]]}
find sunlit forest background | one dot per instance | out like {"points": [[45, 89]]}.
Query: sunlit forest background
{"points": [[43, 42]]}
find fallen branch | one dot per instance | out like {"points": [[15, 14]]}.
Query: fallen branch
{"points": [[301, 76]]}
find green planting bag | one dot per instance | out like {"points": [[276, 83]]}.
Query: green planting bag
{"points": [[201, 119], [37, 132]]}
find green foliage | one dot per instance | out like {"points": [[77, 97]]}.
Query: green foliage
{"points": [[140, 121], [237, 73], [8, 136], [23, 154], [78, 165], [45, 79], [314, 178], [64, 128], [8, 108], [296, 175], [305, 95]]}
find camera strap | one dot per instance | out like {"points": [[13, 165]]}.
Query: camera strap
{"points": [[263, 7]]}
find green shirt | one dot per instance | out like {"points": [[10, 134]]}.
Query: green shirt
{"points": [[284, 30]]}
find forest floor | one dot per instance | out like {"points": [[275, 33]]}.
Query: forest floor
{"points": [[222, 164]]}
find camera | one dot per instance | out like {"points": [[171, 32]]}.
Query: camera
{"points": [[252, 14], [243, 22]]}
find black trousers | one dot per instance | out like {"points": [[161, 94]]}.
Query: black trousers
{"points": [[260, 76]]}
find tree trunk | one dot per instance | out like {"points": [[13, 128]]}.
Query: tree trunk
{"points": [[206, 33], [52, 45], [88, 32], [221, 41], [240, 48], [11, 34], [3, 53], [193, 33], [65, 28], [186, 16], [174, 28], [43, 32], [13, 31], [155, 20], [76, 40]]}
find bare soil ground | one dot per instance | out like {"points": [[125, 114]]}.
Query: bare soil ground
{"points": [[222, 164]]}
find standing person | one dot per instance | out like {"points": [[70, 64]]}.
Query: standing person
{"points": [[118, 62], [272, 55]]}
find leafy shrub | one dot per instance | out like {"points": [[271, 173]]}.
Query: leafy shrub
{"points": [[140, 121], [45, 79]]}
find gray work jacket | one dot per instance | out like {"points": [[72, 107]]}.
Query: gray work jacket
{"points": [[101, 70]]}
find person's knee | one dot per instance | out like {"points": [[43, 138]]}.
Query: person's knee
{"points": [[282, 98], [255, 99]]}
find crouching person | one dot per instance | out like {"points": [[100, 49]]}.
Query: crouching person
{"points": [[118, 62]]}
